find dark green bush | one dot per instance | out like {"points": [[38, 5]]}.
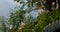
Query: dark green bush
{"points": [[46, 18]]}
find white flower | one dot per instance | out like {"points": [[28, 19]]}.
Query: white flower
{"points": [[40, 11], [11, 26], [22, 23]]}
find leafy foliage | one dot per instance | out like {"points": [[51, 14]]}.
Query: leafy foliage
{"points": [[16, 18], [44, 18], [37, 26], [3, 27]]}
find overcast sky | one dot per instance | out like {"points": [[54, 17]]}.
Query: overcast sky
{"points": [[5, 6]]}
